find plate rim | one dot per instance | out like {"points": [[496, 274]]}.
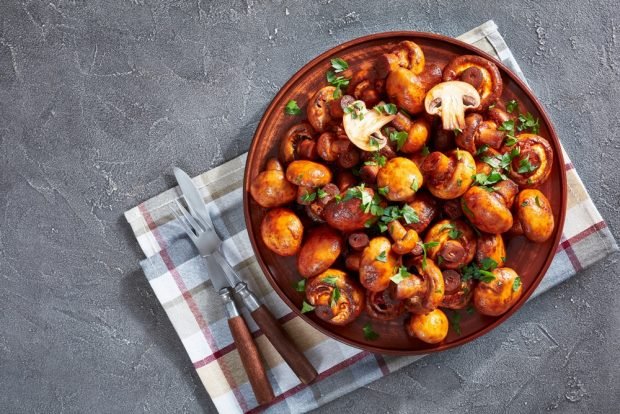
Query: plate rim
{"points": [[311, 64]]}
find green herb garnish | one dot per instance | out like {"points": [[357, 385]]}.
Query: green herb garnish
{"points": [[525, 166], [386, 108], [527, 121], [306, 307], [300, 286], [339, 65], [401, 274], [382, 257], [333, 300], [308, 197], [516, 284], [400, 138], [292, 108], [369, 333], [455, 322], [512, 105]]}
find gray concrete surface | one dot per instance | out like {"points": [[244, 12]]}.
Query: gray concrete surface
{"points": [[98, 100]]}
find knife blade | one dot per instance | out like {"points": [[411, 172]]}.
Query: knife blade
{"points": [[196, 204]]}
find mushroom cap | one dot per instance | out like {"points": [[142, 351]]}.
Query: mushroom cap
{"points": [[360, 125], [450, 100]]}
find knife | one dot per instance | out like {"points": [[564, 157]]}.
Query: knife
{"points": [[260, 313]]}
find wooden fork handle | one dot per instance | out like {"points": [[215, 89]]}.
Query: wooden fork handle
{"points": [[283, 344], [248, 352], [276, 335]]}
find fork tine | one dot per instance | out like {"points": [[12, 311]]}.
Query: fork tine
{"points": [[184, 224], [198, 228]]}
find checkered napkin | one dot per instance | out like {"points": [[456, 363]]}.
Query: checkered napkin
{"points": [[181, 283]]}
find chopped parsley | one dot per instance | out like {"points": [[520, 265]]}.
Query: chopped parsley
{"points": [[386, 108], [426, 246], [372, 141], [470, 309], [512, 106], [525, 166], [308, 197], [453, 233], [369, 333], [414, 184], [333, 300], [457, 131], [330, 280], [382, 257], [516, 284], [502, 162], [400, 138], [383, 190], [401, 274], [306, 307], [494, 177], [509, 128], [482, 273], [321, 193], [527, 121], [425, 150], [455, 322], [300, 286], [292, 108], [339, 65], [482, 149], [377, 159]]}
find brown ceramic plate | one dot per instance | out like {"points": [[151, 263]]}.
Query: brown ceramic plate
{"points": [[528, 259]]}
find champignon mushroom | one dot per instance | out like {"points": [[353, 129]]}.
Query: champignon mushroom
{"points": [[431, 328], [363, 127], [377, 264], [448, 176], [382, 306], [532, 166], [455, 243], [479, 72], [282, 231], [319, 251], [533, 211], [407, 90], [450, 100], [270, 188], [496, 296], [290, 142], [337, 298], [318, 110]]}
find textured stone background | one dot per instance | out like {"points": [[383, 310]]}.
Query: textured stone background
{"points": [[98, 100]]}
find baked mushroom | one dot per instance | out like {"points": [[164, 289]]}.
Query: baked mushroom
{"points": [[478, 72], [455, 243], [448, 176], [431, 328], [417, 130], [348, 214], [534, 214], [325, 146], [478, 132], [449, 100], [401, 177], [282, 231], [489, 210], [458, 291], [405, 240], [270, 188], [495, 297], [318, 111], [377, 264], [425, 208], [363, 127], [408, 90], [533, 165], [336, 297], [406, 54], [308, 174], [383, 306], [424, 291], [319, 251], [291, 140], [491, 246]]}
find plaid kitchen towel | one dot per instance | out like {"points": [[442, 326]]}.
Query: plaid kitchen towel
{"points": [[180, 281]]}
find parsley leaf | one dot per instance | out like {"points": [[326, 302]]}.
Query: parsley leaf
{"points": [[457, 131], [330, 280], [386, 108], [509, 128], [414, 184], [409, 214], [470, 309], [482, 149], [339, 65], [383, 190], [525, 166], [333, 300], [455, 322], [369, 333], [321, 193], [308, 197], [306, 307], [516, 284], [425, 150], [426, 246], [292, 108], [382, 257], [401, 274], [512, 105], [482, 273], [400, 138], [300, 286], [338, 81], [527, 121]]}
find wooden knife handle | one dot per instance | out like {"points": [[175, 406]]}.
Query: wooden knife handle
{"points": [[251, 360], [282, 343]]}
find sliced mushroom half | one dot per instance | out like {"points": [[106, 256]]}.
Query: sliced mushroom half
{"points": [[363, 127], [449, 100]]}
